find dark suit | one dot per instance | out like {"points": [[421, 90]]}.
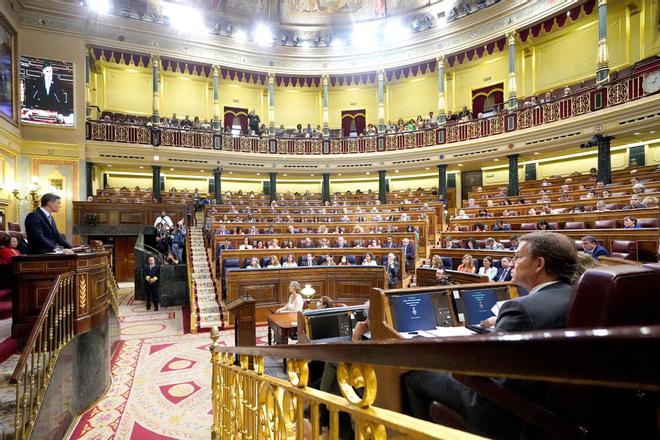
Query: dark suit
{"points": [[151, 289], [42, 234], [54, 99], [392, 273], [390, 245], [307, 263], [598, 251], [543, 310], [502, 275]]}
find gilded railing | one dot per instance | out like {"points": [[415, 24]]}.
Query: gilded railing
{"points": [[113, 292], [250, 404], [191, 286], [53, 329]]}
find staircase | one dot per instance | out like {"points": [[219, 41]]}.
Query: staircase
{"points": [[209, 310]]}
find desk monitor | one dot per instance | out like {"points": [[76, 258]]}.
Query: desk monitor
{"points": [[473, 306], [412, 312], [337, 322]]}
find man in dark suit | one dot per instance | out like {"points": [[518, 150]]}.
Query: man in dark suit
{"points": [[389, 243], [392, 269], [505, 271], [46, 94], [151, 277], [40, 227], [590, 246], [308, 261], [545, 263], [409, 252]]}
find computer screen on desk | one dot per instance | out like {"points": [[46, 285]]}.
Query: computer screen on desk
{"points": [[474, 306], [334, 323], [412, 312]]}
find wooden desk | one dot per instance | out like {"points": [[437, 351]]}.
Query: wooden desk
{"points": [[34, 275], [425, 276], [281, 326], [92, 218]]}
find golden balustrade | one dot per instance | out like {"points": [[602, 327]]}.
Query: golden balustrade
{"points": [[191, 286], [113, 292], [250, 404], [54, 328]]}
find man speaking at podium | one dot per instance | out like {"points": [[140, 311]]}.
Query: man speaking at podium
{"points": [[41, 229]]}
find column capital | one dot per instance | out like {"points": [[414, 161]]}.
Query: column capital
{"points": [[271, 77], [155, 167], [217, 170], [440, 60], [216, 70], [511, 37], [513, 156], [602, 3], [381, 74], [442, 166]]}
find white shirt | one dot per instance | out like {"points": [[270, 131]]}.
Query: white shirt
{"points": [[295, 304], [245, 246], [166, 220], [287, 264], [492, 271], [46, 213], [370, 263], [541, 286]]}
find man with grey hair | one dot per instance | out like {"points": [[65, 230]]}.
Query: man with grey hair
{"points": [[544, 265]]}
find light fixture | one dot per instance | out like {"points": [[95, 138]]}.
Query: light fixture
{"points": [[285, 175], [637, 133], [339, 174], [240, 36], [262, 35], [231, 172], [184, 18], [652, 132], [141, 168], [100, 6], [337, 42], [363, 36], [312, 175], [258, 174], [396, 171], [496, 160], [536, 153], [395, 31], [368, 173], [171, 169], [307, 292], [156, 158], [428, 168], [460, 164]]}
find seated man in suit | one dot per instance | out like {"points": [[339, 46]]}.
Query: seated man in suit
{"points": [[544, 265], [308, 260], [591, 247], [505, 272], [41, 230]]}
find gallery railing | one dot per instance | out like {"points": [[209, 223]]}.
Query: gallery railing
{"points": [[53, 329], [584, 101], [249, 403]]}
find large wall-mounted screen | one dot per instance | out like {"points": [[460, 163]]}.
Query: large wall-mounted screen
{"points": [[46, 92]]}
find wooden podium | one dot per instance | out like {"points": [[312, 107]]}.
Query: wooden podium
{"points": [[245, 323]]}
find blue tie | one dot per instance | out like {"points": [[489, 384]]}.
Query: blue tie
{"points": [[52, 223]]}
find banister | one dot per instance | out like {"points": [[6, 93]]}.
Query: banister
{"points": [[623, 357], [43, 313]]}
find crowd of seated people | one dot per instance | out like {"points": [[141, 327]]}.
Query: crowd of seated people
{"points": [[170, 238]]}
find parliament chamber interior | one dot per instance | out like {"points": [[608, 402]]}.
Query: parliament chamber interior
{"points": [[329, 219]]}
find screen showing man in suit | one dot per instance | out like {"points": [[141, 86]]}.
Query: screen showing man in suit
{"points": [[47, 92], [151, 276], [42, 234]]}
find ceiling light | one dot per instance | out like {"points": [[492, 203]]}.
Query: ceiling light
{"points": [[652, 132], [337, 42], [100, 6], [156, 157], [171, 169], [536, 153], [240, 36], [258, 174], [263, 36], [202, 171], [312, 175], [109, 166], [396, 171], [395, 31], [460, 164], [231, 172], [428, 168], [339, 174], [496, 160], [184, 18], [368, 173], [363, 36], [141, 168], [285, 175], [637, 133]]}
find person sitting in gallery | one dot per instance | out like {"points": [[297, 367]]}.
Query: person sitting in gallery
{"points": [[467, 264]]}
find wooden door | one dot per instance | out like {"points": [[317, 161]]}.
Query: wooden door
{"points": [[469, 182], [125, 258]]}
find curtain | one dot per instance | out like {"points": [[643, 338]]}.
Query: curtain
{"points": [[232, 113], [353, 121], [487, 98]]}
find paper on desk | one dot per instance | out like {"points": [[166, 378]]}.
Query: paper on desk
{"points": [[441, 332]]}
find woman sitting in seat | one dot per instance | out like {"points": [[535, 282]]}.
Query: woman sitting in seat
{"points": [[274, 262], [295, 302], [254, 264], [344, 261], [488, 269], [467, 265], [246, 244], [369, 261], [290, 261]]}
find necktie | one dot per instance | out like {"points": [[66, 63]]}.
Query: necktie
{"points": [[503, 275], [52, 223]]}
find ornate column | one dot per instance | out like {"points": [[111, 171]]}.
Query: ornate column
{"points": [[511, 40], [604, 157], [326, 116], [513, 175], [216, 98], [603, 58], [273, 186], [325, 188], [217, 185], [382, 186], [88, 87], [155, 66], [442, 182], [381, 101], [441, 91], [89, 170], [155, 183], [271, 103]]}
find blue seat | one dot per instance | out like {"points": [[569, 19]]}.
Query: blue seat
{"points": [[350, 259], [265, 261], [447, 262]]}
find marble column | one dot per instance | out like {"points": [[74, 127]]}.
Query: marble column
{"points": [[604, 158], [155, 69], [513, 175], [381, 101], [382, 186], [155, 183], [511, 40], [271, 104], [441, 91], [603, 58], [324, 98], [89, 170], [217, 185], [216, 98], [325, 188], [88, 86], [273, 186], [442, 182]]}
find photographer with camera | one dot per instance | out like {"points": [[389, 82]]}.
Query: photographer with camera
{"points": [[163, 219], [179, 239]]}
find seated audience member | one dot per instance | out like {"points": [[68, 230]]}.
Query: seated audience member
{"points": [[492, 245], [584, 263], [479, 227], [373, 244], [590, 246], [246, 244], [650, 202], [171, 257], [254, 264], [467, 264], [275, 244], [295, 302], [389, 243], [392, 269], [436, 262], [290, 261], [500, 226], [577, 209], [471, 243], [461, 215], [638, 188], [274, 262], [488, 269], [325, 302], [307, 243], [441, 278], [260, 245], [447, 242], [504, 272], [630, 222], [601, 206], [513, 243], [543, 225], [369, 261], [343, 261], [546, 264], [328, 261], [635, 203], [309, 261], [9, 250]]}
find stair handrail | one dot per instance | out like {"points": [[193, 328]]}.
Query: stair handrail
{"points": [[53, 329], [113, 292], [191, 284]]}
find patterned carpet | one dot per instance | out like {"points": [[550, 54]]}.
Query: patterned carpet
{"points": [[161, 380]]}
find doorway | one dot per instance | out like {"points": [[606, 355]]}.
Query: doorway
{"points": [[469, 182]]}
